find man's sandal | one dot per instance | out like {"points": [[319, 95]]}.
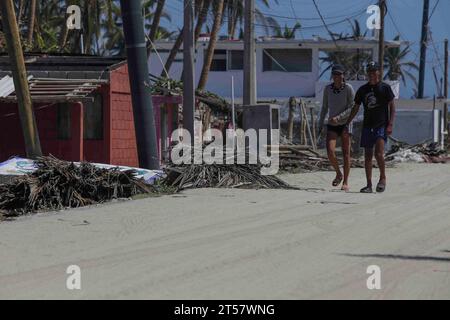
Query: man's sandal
{"points": [[381, 187], [366, 190]]}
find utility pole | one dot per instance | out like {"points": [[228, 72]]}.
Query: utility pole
{"points": [[188, 67], [446, 86], [19, 73], [423, 47], [382, 5], [249, 54], [144, 121]]}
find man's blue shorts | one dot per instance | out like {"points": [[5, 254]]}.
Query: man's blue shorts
{"points": [[370, 136]]}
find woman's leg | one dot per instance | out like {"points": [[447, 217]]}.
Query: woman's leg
{"points": [[331, 151], [346, 147]]}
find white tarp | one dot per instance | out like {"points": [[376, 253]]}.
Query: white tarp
{"points": [[19, 166]]}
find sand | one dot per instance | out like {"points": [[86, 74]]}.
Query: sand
{"points": [[243, 244]]}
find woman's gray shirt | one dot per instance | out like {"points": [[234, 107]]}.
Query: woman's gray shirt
{"points": [[337, 103]]}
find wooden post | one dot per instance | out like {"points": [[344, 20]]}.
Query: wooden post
{"points": [[249, 97], [382, 5], [446, 86], [313, 128], [290, 122], [19, 73], [423, 48]]}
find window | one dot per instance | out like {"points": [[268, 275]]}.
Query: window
{"points": [[287, 60], [63, 120], [93, 118], [235, 60], [219, 62]]}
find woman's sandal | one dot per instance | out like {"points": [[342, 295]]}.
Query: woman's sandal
{"points": [[337, 181]]}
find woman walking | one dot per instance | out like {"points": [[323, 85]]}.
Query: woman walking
{"points": [[338, 100]]}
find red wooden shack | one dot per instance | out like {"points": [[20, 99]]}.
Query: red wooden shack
{"points": [[83, 110]]}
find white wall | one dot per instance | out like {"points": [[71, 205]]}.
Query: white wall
{"points": [[270, 84]]}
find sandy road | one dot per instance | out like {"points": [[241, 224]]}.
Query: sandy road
{"points": [[243, 244]]}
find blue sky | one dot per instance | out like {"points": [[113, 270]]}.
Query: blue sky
{"points": [[404, 18]]}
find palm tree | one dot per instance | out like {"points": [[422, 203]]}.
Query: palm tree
{"points": [[287, 33], [233, 11], [218, 12], [352, 60], [397, 67], [202, 9], [235, 14], [31, 21]]}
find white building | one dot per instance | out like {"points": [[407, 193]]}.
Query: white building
{"points": [[284, 68]]}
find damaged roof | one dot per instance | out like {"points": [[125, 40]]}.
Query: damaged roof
{"points": [[52, 90], [40, 65]]}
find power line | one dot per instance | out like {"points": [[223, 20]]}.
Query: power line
{"points": [[325, 24], [434, 8], [311, 19]]}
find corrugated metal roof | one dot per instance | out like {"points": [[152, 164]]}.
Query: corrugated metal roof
{"points": [[52, 90]]}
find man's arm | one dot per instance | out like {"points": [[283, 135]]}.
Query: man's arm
{"points": [[354, 112], [390, 126]]}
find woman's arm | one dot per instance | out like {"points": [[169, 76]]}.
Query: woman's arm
{"points": [[324, 110], [349, 105]]}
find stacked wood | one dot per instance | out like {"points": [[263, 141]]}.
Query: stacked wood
{"points": [[58, 184], [301, 158]]}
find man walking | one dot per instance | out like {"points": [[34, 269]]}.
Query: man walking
{"points": [[379, 113]]}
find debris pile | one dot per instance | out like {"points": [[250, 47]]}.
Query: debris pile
{"points": [[167, 86], [58, 184], [221, 176], [422, 152], [300, 158]]}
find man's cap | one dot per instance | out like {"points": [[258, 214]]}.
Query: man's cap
{"points": [[372, 66], [337, 69]]}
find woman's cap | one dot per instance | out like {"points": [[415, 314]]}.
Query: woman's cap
{"points": [[337, 69]]}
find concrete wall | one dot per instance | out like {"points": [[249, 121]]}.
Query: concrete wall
{"points": [[417, 126]]}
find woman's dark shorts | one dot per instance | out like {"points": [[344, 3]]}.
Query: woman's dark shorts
{"points": [[339, 130]]}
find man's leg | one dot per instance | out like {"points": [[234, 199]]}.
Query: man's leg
{"points": [[379, 155], [368, 156], [346, 146], [331, 151]]}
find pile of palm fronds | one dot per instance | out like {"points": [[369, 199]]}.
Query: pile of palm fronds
{"points": [[58, 184], [221, 176]]}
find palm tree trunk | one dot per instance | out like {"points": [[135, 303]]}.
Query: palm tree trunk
{"points": [[173, 53], [31, 21], [201, 19], [63, 39], [218, 12], [20, 13], [155, 24]]}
